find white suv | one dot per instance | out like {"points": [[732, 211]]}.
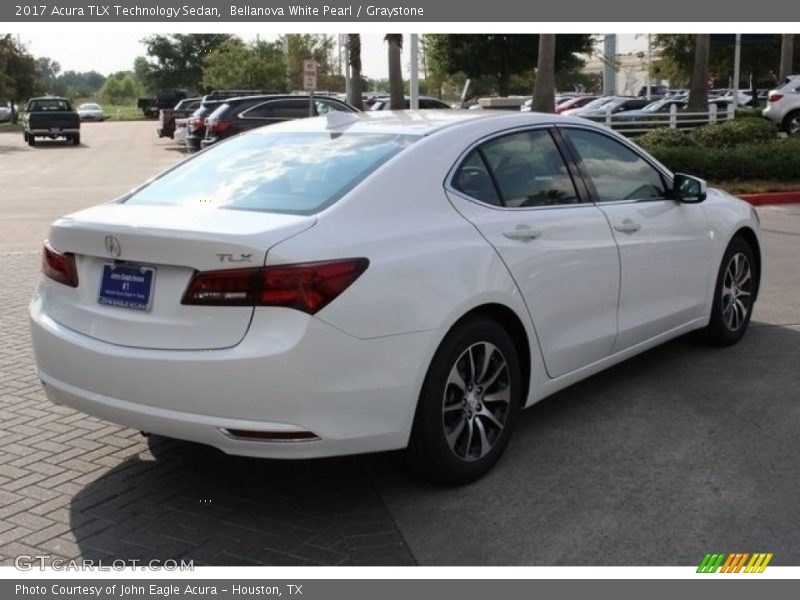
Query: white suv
{"points": [[783, 105]]}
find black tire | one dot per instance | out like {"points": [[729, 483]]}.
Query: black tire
{"points": [[31, 140], [791, 123], [445, 405], [76, 139], [25, 136], [731, 310]]}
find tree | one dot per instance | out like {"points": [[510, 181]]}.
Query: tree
{"points": [[306, 47], [397, 99], [760, 56], [499, 56], [18, 74], [119, 88], [236, 65], [47, 71], [787, 55], [354, 52], [176, 61], [698, 87], [544, 88]]}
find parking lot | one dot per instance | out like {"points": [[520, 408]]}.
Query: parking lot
{"points": [[681, 451]]}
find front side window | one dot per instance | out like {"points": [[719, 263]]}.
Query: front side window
{"points": [[282, 172], [617, 172]]}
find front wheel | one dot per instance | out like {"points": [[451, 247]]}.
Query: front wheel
{"points": [[468, 405], [733, 295], [31, 140]]}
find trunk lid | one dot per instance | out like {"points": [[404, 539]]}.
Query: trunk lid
{"points": [[165, 245]]}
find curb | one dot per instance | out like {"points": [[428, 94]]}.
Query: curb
{"points": [[771, 198]]}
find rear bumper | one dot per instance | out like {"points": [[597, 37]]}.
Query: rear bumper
{"points": [[291, 373], [44, 131]]}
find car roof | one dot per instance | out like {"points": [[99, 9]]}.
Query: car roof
{"points": [[418, 122]]}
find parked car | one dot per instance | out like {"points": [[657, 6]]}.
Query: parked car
{"points": [[167, 116], [163, 99], [236, 115], [196, 124], [593, 105], [425, 103], [51, 117], [662, 106], [783, 105], [6, 114], [612, 105], [312, 288], [576, 102], [656, 91], [91, 112]]}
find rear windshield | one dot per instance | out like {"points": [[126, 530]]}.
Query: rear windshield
{"points": [[282, 172], [49, 105]]}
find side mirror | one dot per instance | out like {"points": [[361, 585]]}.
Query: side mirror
{"points": [[688, 189]]}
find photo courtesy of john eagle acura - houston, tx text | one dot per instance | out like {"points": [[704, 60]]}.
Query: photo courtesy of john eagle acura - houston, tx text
{"points": [[361, 282]]}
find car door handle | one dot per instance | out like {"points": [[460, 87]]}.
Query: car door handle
{"points": [[522, 234], [628, 226]]}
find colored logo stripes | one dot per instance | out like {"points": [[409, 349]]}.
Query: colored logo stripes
{"points": [[735, 562]]}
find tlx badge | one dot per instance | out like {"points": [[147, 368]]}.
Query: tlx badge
{"points": [[235, 258]]}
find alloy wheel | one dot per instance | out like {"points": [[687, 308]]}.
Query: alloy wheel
{"points": [[476, 401], [737, 288]]}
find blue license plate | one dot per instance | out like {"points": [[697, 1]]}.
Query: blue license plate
{"points": [[127, 286]]}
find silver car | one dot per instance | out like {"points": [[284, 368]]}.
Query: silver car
{"points": [[91, 112], [783, 105], [5, 114]]}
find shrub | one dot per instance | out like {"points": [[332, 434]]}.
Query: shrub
{"points": [[778, 160], [736, 132], [664, 137]]}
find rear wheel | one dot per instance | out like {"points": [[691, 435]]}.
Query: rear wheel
{"points": [[31, 140], [791, 124], [733, 295], [76, 139], [468, 405]]}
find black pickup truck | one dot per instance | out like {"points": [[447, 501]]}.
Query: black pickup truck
{"points": [[51, 117]]}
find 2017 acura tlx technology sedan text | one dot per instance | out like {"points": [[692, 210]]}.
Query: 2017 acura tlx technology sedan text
{"points": [[376, 281]]}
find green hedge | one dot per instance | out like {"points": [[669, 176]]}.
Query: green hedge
{"points": [[664, 137], [778, 160], [736, 132]]}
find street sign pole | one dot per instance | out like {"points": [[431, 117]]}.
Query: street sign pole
{"points": [[310, 82]]}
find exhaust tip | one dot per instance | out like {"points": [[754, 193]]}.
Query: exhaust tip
{"points": [[270, 436]]}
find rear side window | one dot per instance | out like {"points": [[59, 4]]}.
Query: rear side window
{"points": [[283, 172], [525, 169], [279, 109]]}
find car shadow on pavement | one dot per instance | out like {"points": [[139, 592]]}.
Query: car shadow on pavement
{"points": [[677, 451], [190, 502], [54, 144]]}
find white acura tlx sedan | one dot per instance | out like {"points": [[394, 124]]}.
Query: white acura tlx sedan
{"points": [[365, 282]]}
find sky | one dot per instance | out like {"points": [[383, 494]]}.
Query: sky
{"points": [[111, 51]]}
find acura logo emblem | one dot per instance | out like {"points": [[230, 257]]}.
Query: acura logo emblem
{"points": [[113, 247]]}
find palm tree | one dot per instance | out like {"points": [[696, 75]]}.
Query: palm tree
{"points": [[698, 88], [787, 55], [397, 99], [354, 50], [544, 87]]}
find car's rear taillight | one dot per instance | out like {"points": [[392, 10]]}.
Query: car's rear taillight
{"points": [[197, 122], [774, 96], [59, 266], [308, 287], [218, 127]]}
